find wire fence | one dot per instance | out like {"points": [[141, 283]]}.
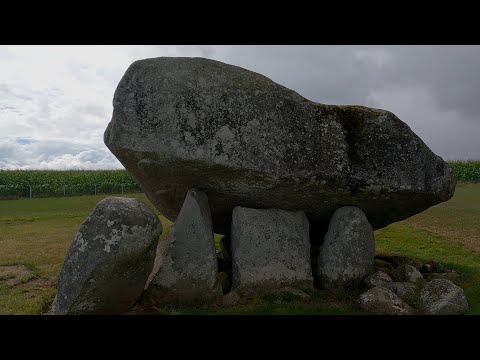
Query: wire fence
{"points": [[49, 190]]}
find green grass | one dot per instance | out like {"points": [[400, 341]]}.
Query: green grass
{"points": [[37, 233]]}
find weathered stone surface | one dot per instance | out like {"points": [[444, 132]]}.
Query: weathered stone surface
{"points": [[378, 279], [452, 276], [109, 260], [442, 297], [245, 140], [409, 274], [187, 263], [270, 249], [348, 252], [382, 301], [404, 290]]}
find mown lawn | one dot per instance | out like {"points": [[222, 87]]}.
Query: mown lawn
{"points": [[37, 233]]}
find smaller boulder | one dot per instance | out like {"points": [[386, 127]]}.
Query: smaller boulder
{"points": [[406, 291], [347, 254], [109, 260], [443, 297], [379, 279], [381, 301], [408, 273]]}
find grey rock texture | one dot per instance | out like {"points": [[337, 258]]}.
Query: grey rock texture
{"points": [[186, 260], [381, 301], [378, 279], [442, 297], [109, 260], [270, 249], [405, 291], [410, 274], [245, 140], [348, 252]]}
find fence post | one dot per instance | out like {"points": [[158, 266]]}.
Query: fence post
{"points": [[122, 189], [64, 190], [30, 186], [95, 189]]}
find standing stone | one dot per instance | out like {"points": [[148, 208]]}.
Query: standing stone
{"points": [[187, 261], [348, 252], [109, 260], [381, 301], [270, 249], [442, 297]]}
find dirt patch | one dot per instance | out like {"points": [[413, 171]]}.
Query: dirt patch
{"points": [[37, 283], [468, 237], [13, 275]]}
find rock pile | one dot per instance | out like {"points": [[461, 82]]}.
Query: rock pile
{"points": [[410, 293]]}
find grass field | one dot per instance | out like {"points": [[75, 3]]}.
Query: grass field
{"points": [[35, 236]]}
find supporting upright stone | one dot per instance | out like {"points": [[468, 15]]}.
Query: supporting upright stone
{"points": [[270, 249], [109, 260], [186, 259], [348, 252]]}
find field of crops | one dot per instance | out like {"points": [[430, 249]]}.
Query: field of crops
{"points": [[46, 183], [466, 171]]}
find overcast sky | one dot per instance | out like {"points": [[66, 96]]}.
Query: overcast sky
{"points": [[56, 101]]}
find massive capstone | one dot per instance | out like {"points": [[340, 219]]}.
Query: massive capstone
{"points": [[181, 123]]}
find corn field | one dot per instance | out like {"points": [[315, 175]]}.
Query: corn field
{"points": [[15, 184], [466, 171]]}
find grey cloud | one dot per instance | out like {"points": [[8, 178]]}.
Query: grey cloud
{"points": [[97, 110], [434, 89]]}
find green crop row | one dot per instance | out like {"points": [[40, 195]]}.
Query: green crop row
{"points": [[47, 183], [466, 171]]}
